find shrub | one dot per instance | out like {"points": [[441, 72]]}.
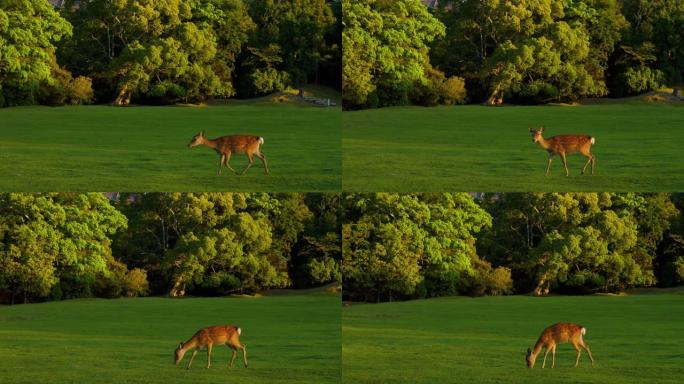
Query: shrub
{"points": [[453, 91], [636, 80], [135, 283], [439, 90]]}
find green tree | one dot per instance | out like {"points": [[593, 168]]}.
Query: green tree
{"points": [[385, 46], [29, 30], [394, 244], [46, 239]]}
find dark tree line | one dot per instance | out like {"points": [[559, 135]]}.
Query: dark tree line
{"points": [[67, 245], [515, 50], [403, 246], [150, 51]]}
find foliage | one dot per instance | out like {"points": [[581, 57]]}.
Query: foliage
{"points": [[384, 47], [392, 243], [53, 238], [29, 30]]}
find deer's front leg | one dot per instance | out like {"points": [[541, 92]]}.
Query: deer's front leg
{"points": [[222, 159], [546, 352], [192, 358], [208, 355], [548, 165]]}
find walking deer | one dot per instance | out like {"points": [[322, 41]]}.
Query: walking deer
{"points": [[562, 145], [225, 146], [558, 334], [207, 338]]}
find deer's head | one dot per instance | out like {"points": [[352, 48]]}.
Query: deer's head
{"points": [[198, 139], [530, 358], [179, 353], [536, 134]]}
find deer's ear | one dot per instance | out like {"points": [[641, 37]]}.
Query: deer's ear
{"points": [[531, 129], [541, 129], [202, 133], [529, 351]]}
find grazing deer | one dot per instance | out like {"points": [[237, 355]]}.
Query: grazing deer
{"points": [[207, 338], [558, 334], [562, 145], [225, 146]]}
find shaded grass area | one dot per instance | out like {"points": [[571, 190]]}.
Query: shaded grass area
{"points": [[463, 340], [290, 339], [476, 148], [103, 148]]}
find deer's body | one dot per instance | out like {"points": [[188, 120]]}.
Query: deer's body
{"points": [[225, 146], [559, 333], [209, 337], [563, 145]]}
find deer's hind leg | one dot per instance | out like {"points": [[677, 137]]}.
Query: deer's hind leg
{"points": [[565, 163], [579, 352], [263, 160], [250, 157], [586, 348], [590, 159], [234, 355], [244, 353]]}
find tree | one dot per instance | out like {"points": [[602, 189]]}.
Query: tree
{"points": [[159, 51], [385, 46], [46, 239], [29, 30], [577, 242], [289, 44], [394, 244]]}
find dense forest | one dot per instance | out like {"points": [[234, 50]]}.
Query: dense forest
{"points": [[67, 245], [399, 52], [404, 246], [148, 51]]}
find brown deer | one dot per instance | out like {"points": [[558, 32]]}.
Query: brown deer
{"points": [[207, 338], [562, 145], [225, 146], [558, 334]]}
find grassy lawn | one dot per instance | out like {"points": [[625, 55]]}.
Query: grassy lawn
{"points": [[475, 148], [103, 148], [290, 339], [634, 339]]}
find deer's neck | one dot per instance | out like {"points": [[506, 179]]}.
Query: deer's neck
{"points": [[537, 348], [210, 143], [544, 143], [190, 344]]}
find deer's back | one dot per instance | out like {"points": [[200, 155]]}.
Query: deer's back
{"points": [[560, 333], [238, 143], [219, 334], [569, 143]]}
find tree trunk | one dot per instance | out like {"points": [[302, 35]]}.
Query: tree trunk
{"points": [[178, 289], [496, 97], [124, 97]]}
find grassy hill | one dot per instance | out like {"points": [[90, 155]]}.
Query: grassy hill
{"points": [[634, 338], [291, 338], [477, 148]]}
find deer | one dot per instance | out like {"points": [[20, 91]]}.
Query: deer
{"points": [[207, 338], [225, 146], [558, 334], [563, 145]]}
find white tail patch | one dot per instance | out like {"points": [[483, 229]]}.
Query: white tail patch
{"points": [[593, 140], [584, 330], [240, 331], [261, 140]]}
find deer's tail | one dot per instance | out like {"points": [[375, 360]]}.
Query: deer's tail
{"points": [[239, 331], [584, 331], [261, 140], [593, 140]]}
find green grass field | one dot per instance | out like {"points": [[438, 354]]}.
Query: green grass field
{"points": [[103, 148], [634, 339], [476, 148], [290, 339]]}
